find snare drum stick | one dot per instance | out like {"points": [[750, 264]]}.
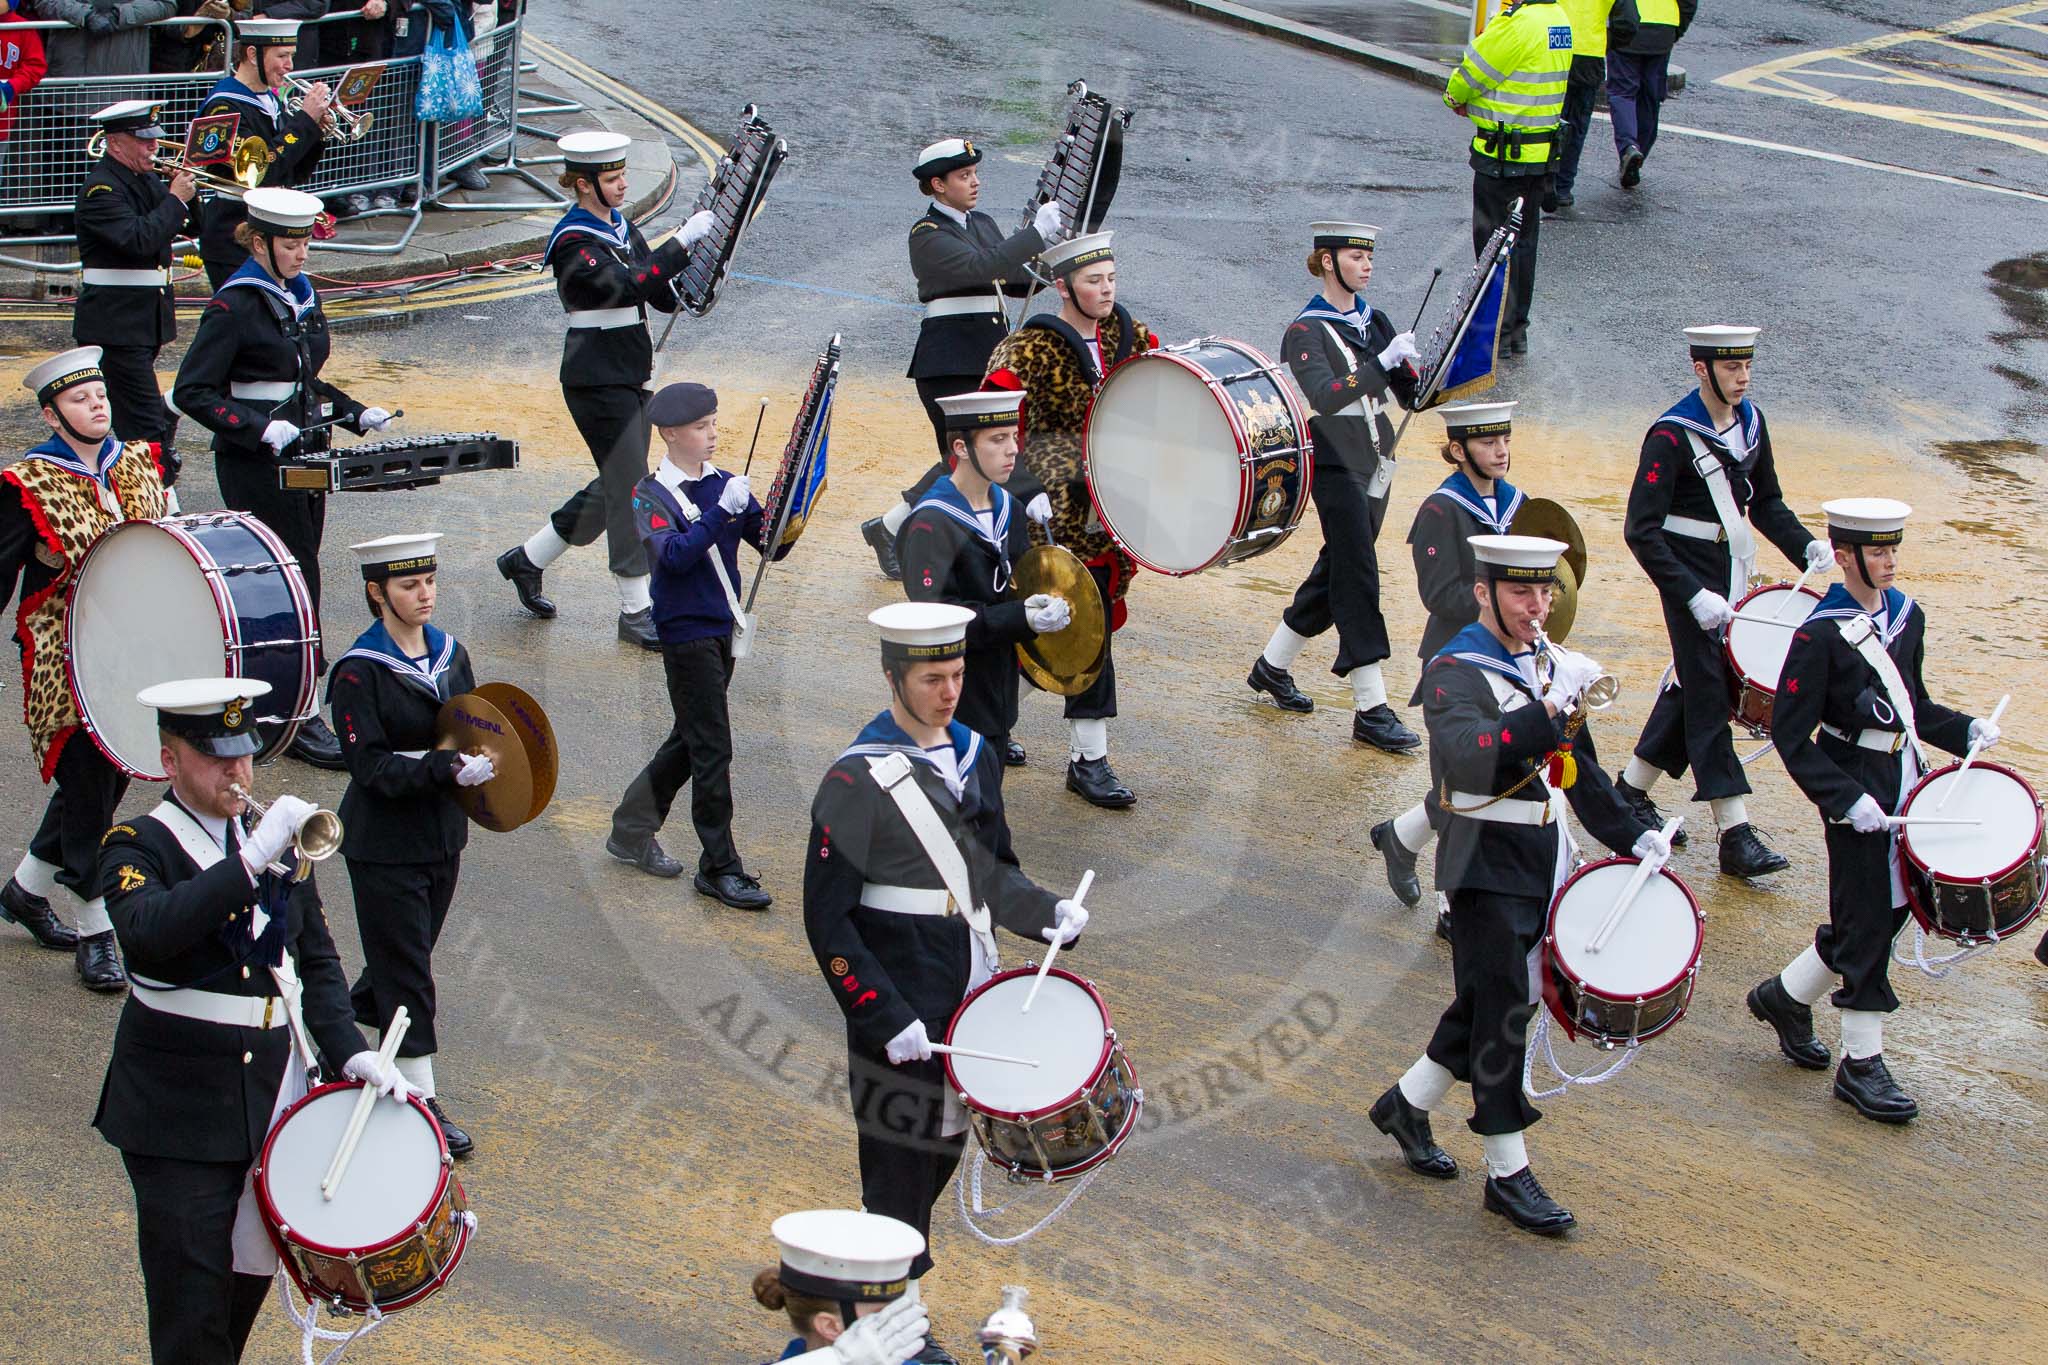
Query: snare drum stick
{"points": [[1971, 757], [1646, 869], [387, 1055], [1897, 820], [1792, 596], [1053, 949], [984, 1056]]}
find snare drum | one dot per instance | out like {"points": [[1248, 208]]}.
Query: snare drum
{"points": [[1973, 882], [1758, 639], [398, 1223], [1197, 455], [209, 594], [1068, 1114], [1641, 981]]}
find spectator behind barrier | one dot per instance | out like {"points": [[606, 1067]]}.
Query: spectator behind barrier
{"points": [[181, 48], [111, 37], [21, 66]]}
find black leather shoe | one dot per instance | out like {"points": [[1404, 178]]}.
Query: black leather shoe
{"points": [[649, 857], [1867, 1083], [884, 545], [1550, 201], [99, 962], [1095, 782], [1563, 201], [525, 577], [20, 906], [637, 628], [1646, 810], [1400, 864], [1520, 1200], [1404, 1123], [1279, 683], [1443, 924], [315, 744], [460, 1144], [1382, 729], [1745, 854], [1793, 1022], [1518, 341], [1631, 168], [737, 889], [1013, 754]]}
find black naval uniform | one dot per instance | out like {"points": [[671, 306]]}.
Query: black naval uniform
{"points": [[1445, 567], [295, 142], [888, 969], [189, 1101], [127, 222]]}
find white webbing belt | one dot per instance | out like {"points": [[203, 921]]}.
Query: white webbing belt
{"points": [[125, 279], [604, 317], [1741, 542], [1508, 810], [212, 1007], [263, 391], [907, 900], [1884, 741], [1694, 528], [892, 772], [1862, 635], [964, 306]]}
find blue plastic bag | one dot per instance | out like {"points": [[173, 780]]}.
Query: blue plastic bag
{"points": [[449, 86]]}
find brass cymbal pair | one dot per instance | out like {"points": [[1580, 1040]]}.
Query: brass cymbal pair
{"points": [[1069, 660], [506, 723], [1543, 517]]}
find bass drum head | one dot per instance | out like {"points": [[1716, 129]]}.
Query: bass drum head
{"points": [[1759, 638], [1652, 947], [141, 612], [391, 1183], [1163, 464], [2009, 835], [1065, 1034]]}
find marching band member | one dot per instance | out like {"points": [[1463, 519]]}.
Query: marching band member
{"points": [[1706, 473], [233, 965], [252, 378], [1854, 674], [1475, 499], [402, 831], [960, 546], [1346, 358], [963, 265], [264, 52], [54, 503], [127, 219], [692, 518], [607, 279], [1504, 847], [844, 1280], [897, 848], [1060, 360]]}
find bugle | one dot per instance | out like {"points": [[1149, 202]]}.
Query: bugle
{"points": [[317, 840], [1600, 694]]}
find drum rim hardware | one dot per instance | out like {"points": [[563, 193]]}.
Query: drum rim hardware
{"points": [[1917, 872], [1553, 966], [1095, 1073]]}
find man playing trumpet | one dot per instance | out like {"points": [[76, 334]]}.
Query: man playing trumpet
{"points": [[292, 141]]}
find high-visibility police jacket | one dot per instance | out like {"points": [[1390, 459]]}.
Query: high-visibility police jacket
{"points": [[1589, 25], [1511, 85]]}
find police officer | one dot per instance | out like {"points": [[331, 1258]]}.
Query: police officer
{"points": [[127, 218], [1588, 74], [1511, 84], [264, 52], [214, 1038], [1641, 34], [964, 265], [607, 279]]}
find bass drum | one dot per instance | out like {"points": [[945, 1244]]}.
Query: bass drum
{"points": [[206, 595], [1197, 455]]}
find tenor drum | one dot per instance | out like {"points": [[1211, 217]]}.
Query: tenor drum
{"points": [[1197, 455], [1640, 982], [1973, 882], [209, 594], [1759, 638], [398, 1223], [1072, 1111]]}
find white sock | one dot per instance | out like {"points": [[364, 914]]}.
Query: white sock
{"points": [[1284, 648], [92, 917], [633, 593], [544, 546], [1639, 774], [419, 1074], [1862, 1033], [1088, 738], [1506, 1153], [1807, 978], [36, 877], [1368, 689], [1426, 1083], [1729, 811], [893, 519], [1411, 828]]}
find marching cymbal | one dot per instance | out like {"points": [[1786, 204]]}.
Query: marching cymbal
{"points": [[1564, 602], [1067, 661], [536, 735], [1542, 517], [471, 723]]}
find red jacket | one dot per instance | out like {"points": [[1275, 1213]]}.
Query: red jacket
{"points": [[21, 65]]}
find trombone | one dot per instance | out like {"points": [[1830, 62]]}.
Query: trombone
{"points": [[343, 122], [252, 158], [317, 840]]}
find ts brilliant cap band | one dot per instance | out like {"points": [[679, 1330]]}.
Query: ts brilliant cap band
{"points": [[987, 408], [68, 369], [1720, 342], [594, 152], [838, 1254]]}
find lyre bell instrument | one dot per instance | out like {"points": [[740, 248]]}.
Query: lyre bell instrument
{"points": [[733, 195], [252, 157], [342, 123], [1600, 694], [317, 840]]}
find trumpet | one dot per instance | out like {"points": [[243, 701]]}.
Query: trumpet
{"points": [[1600, 694], [252, 158], [316, 841], [344, 123]]}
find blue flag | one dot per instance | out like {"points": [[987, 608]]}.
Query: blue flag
{"points": [[810, 478], [1471, 367]]}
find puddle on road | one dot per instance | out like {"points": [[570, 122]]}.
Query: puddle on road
{"points": [[2021, 284], [1988, 459]]}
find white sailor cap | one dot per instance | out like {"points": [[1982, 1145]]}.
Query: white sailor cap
{"points": [[396, 556], [213, 715], [1344, 234], [1075, 252], [922, 630], [267, 32], [596, 152], [137, 117], [985, 408], [1866, 521], [1478, 419], [1721, 342], [79, 365], [843, 1255], [944, 157], [278, 212], [1517, 559]]}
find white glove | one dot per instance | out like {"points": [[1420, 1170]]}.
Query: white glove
{"points": [[374, 419], [1047, 613], [1047, 221], [1820, 556], [1652, 843], [1069, 920], [1866, 816], [1710, 609], [279, 434], [273, 833], [911, 1045], [696, 228], [1399, 349], [476, 770], [885, 1338], [1985, 733], [1571, 674], [370, 1069], [1039, 509], [733, 498]]}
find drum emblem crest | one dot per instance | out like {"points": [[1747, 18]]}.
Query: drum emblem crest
{"points": [[1273, 503], [1267, 422]]}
